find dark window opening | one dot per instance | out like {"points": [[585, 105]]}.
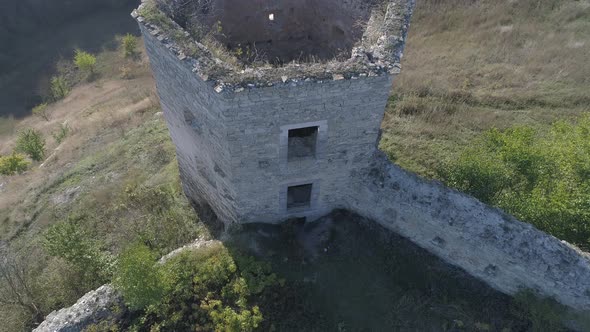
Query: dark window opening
{"points": [[302, 143], [299, 196]]}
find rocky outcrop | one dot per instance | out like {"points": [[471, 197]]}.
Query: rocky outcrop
{"points": [[102, 303]]}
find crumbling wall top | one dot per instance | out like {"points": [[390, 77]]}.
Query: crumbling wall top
{"points": [[362, 38]]}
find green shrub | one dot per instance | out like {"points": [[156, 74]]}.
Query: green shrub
{"points": [[129, 43], [71, 242], [164, 221], [41, 111], [541, 178], [32, 143], [139, 278], [59, 88], [62, 132], [85, 61], [203, 290], [13, 164]]}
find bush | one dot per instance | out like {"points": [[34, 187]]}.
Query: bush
{"points": [[126, 72], [68, 240], [61, 133], [129, 43], [15, 163], [32, 143], [85, 62], [59, 88], [139, 278], [41, 111], [163, 220], [203, 290], [541, 178]]}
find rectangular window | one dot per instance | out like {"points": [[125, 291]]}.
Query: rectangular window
{"points": [[299, 196], [302, 143]]}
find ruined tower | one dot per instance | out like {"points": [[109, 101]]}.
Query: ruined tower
{"points": [[272, 104]]}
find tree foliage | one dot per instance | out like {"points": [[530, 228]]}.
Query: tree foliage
{"points": [[59, 88], [129, 43], [138, 277], [85, 61], [41, 111], [32, 143], [13, 164], [71, 242], [540, 178], [202, 290], [16, 286]]}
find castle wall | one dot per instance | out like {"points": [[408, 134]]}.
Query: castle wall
{"points": [[350, 113], [231, 145], [487, 243], [197, 124]]}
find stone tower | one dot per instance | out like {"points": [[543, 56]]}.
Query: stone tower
{"points": [[272, 104]]}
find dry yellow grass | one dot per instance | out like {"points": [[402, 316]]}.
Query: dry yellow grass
{"points": [[97, 114], [473, 65]]}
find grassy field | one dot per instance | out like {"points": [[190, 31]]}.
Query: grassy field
{"points": [[474, 65]]}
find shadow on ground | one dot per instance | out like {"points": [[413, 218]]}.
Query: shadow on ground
{"points": [[357, 276]]}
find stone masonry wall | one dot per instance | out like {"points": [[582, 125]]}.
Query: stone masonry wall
{"points": [[231, 144], [487, 243], [197, 125], [349, 113]]}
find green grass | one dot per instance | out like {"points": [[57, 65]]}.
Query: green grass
{"points": [[471, 66]]}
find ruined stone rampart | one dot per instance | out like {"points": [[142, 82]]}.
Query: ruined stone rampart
{"points": [[507, 254], [234, 128]]}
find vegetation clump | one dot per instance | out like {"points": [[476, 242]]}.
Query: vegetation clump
{"points": [[59, 88], [85, 61], [129, 44], [204, 290], [61, 133], [41, 111], [69, 241], [32, 143], [540, 178], [13, 164]]}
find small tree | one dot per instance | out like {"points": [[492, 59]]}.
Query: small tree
{"points": [[32, 143], [85, 61], [138, 277], [71, 242], [129, 43], [41, 111], [59, 88], [15, 163], [16, 286], [61, 133]]}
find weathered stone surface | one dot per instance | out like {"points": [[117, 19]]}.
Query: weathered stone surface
{"points": [[232, 140], [99, 304], [507, 254], [231, 131]]}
